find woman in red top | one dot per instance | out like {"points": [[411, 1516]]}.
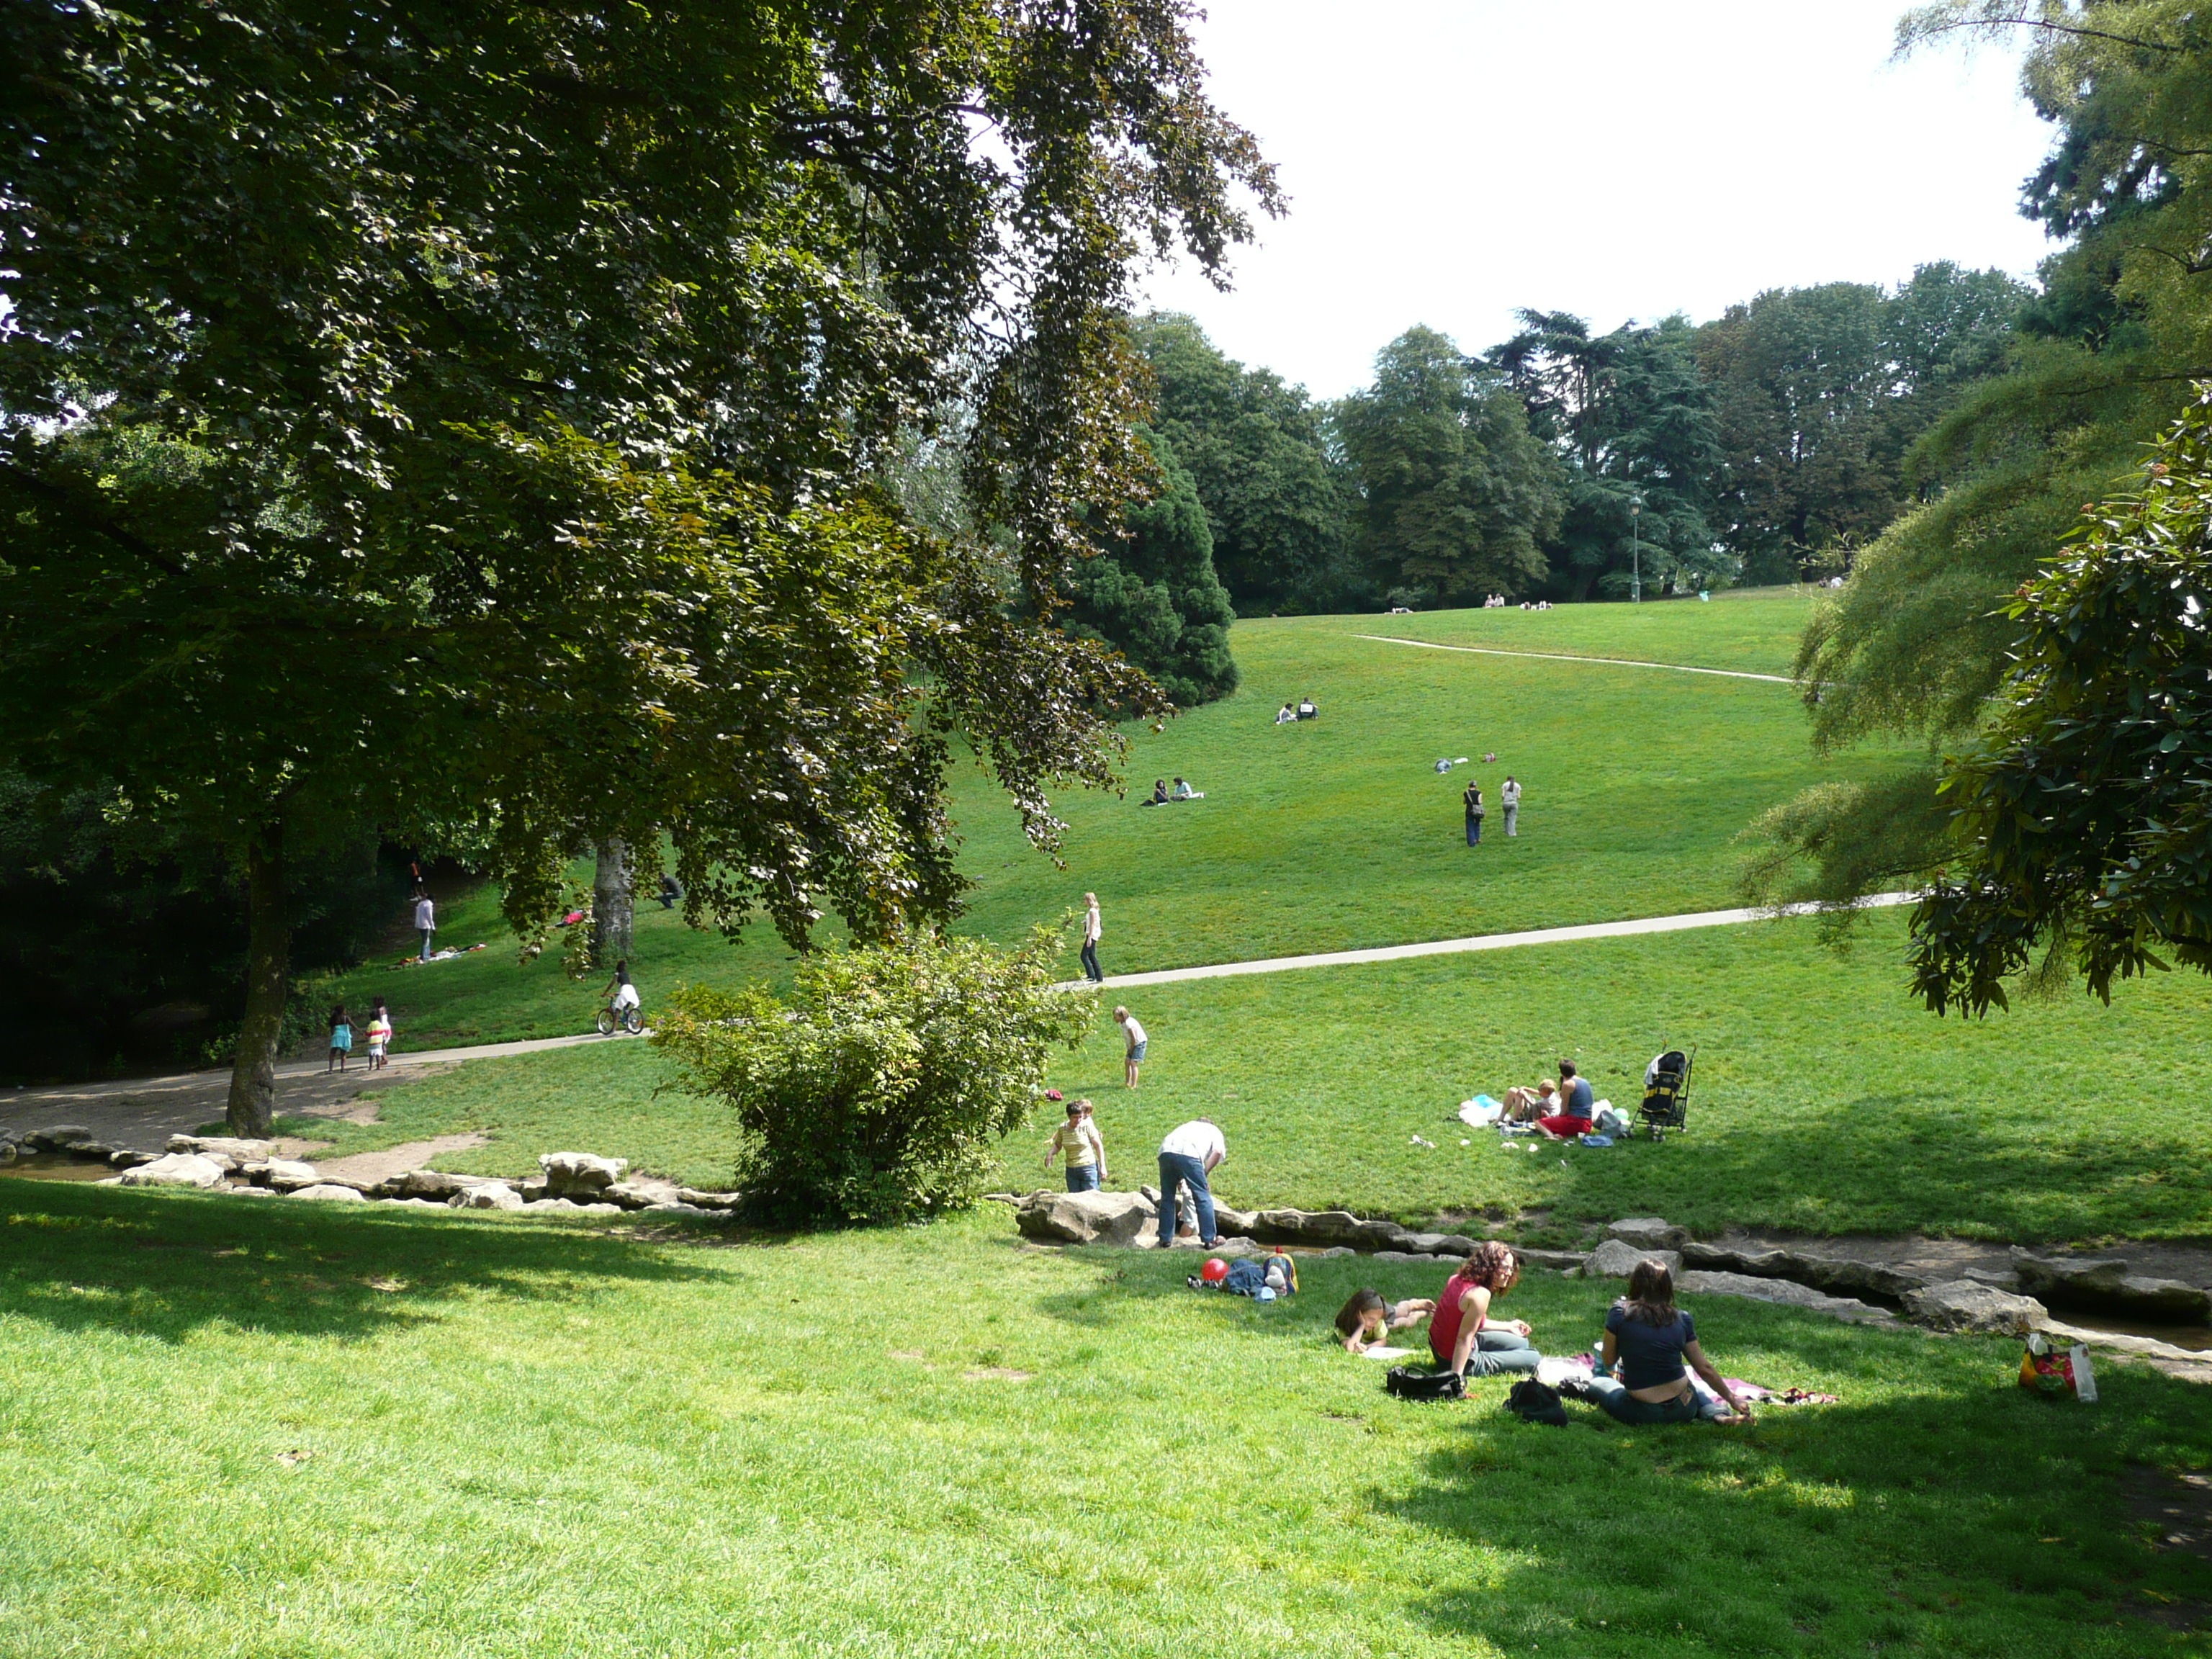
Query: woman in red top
{"points": [[1461, 1333]]}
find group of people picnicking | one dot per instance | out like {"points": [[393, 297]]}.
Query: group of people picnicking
{"points": [[1640, 1370], [1161, 794]]}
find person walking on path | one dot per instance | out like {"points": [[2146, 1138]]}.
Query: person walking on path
{"points": [[1094, 929], [1510, 798], [426, 920], [341, 1039], [1474, 801], [1079, 1141], [1133, 1060], [380, 1035], [1189, 1154]]}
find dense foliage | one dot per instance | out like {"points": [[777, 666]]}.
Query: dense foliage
{"points": [[2083, 814], [469, 419], [881, 1091]]}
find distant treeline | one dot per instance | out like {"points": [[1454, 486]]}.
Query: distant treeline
{"points": [[1767, 445]]}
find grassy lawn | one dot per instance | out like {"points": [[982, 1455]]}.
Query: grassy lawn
{"points": [[1753, 630], [1332, 834], [270, 1430], [1822, 1100]]}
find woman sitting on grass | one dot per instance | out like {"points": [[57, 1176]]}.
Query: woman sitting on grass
{"points": [[1572, 1116], [1648, 1339], [1367, 1320], [1462, 1335]]}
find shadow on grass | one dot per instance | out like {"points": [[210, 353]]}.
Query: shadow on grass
{"points": [[162, 1265], [1880, 1164]]}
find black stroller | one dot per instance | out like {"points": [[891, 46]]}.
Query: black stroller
{"points": [[1666, 1092]]}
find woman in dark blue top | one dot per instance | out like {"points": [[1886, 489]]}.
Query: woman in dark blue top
{"points": [[1647, 1339]]}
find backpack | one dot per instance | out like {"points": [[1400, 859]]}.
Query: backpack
{"points": [[1281, 1273], [1607, 1120], [1533, 1402], [1407, 1383]]}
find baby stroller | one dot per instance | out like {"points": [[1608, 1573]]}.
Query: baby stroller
{"points": [[1667, 1091]]}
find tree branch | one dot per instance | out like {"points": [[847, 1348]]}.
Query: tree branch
{"points": [[128, 540]]}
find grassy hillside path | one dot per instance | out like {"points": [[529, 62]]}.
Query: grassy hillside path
{"points": [[1566, 656]]}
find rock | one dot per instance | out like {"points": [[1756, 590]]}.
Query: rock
{"points": [[125, 1159], [323, 1189], [2003, 1279], [1094, 1217], [692, 1195], [8, 1153], [1838, 1275], [1225, 1220], [284, 1174], [2164, 1301], [569, 1174], [238, 1151], [2064, 1278], [1458, 1244], [176, 1170], [2148, 1346], [1334, 1251], [1965, 1304], [54, 1136], [490, 1195], [96, 1151], [1789, 1292], [1309, 1227], [685, 1210], [1383, 1236], [1413, 1255], [439, 1184], [109, 1181], [1649, 1232], [1227, 1247], [642, 1194], [1615, 1259], [244, 1192], [1565, 1262], [532, 1190], [2106, 1284]]}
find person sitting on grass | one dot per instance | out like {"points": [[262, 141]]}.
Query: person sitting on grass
{"points": [[1306, 709], [1462, 1335], [1182, 791], [1576, 1105], [1528, 1105], [1287, 716], [1160, 795], [1647, 1339], [1367, 1321], [1077, 1140]]}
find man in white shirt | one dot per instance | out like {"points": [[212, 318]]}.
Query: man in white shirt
{"points": [[1510, 795], [1191, 1151], [426, 921], [1094, 929], [1134, 1059]]}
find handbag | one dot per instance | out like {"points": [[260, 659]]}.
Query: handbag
{"points": [[1408, 1383]]}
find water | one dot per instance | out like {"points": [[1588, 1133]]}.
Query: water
{"points": [[47, 1166], [2197, 1338]]}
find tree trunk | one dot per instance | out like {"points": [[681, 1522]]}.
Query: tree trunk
{"points": [[612, 905], [269, 952]]}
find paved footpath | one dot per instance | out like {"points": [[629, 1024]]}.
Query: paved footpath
{"points": [[1484, 942], [1562, 656]]}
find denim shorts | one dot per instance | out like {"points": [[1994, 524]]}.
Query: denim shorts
{"points": [[1137, 1053], [1083, 1177]]}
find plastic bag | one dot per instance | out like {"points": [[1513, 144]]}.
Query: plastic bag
{"points": [[2057, 1373], [1479, 1112]]}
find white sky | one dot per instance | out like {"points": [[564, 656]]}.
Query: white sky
{"points": [[1449, 161]]}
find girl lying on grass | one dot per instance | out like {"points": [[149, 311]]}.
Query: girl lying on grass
{"points": [[1647, 1337], [1462, 1336], [1367, 1320]]}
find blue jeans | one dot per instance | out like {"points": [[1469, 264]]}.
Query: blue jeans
{"points": [[428, 933], [1091, 959], [1083, 1177], [1473, 830], [1624, 1407], [1181, 1167], [1496, 1353]]}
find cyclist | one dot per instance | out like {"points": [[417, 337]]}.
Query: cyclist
{"points": [[624, 993]]}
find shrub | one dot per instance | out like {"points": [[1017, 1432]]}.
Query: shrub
{"points": [[880, 1090]]}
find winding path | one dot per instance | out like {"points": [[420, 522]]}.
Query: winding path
{"points": [[1564, 656]]}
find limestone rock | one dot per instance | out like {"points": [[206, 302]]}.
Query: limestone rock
{"points": [[532, 1190], [572, 1175], [1789, 1292], [1226, 1219], [1962, 1304], [2164, 1300], [680, 1208], [1649, 1232], [490, 1195], [323, 1189], [237, 1150], [177, 1170], [1308, 1226], [703, 1200], [439, 1184], [284, 1174], [1566, 1261], [54, 1136], [1615, 1259], [2106, 1284], [1336, 1250], [235, 1191], [1227, 1247], [1413, 1255], [91, 1150], [126, 1158], [1094, 1217], [1837, 1275], [641, 1195]]}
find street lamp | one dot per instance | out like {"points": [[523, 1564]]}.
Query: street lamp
{"points": [[1636, 549]]}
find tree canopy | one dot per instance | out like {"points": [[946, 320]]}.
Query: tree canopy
{"points": [[473, 418]]}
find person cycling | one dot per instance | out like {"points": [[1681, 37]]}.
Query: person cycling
{"points": [[620, 988]]}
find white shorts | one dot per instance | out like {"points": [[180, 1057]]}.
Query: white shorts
{"points": [[627, 996]]}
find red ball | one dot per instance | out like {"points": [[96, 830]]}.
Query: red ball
{"points": [[1215, 1271]]}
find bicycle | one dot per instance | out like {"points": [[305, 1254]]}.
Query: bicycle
{"points": [[630, 1018]]}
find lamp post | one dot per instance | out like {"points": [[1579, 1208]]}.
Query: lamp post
{"points": [[1636, 549]]}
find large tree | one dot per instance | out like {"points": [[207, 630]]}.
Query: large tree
{"points": [[1258, 454], [1457, 494], [467, 417]]}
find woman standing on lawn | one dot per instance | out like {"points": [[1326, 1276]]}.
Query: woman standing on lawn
{"points": [[1460, 1333], [1473, 801], [1648, 1339]]}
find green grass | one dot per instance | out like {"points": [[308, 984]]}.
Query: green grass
{"points": [[520, 1438], [1752, 630], [1823, 1101], [1331, 835]]}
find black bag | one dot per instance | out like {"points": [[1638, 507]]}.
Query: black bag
{"points": [[1535, 1402], [1408, 1383]]}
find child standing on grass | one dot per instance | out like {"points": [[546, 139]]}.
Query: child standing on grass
{"points": [[1079, 1141], [380, 1035], [1367, 1320], [341, 1039]]}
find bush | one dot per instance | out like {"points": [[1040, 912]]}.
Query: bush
{"points": [[880, 1092]]}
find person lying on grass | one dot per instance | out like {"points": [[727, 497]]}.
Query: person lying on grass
{"points": [[1367, 1320], [1462, 1335], [1576, 1105], [1647, 1339]]}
